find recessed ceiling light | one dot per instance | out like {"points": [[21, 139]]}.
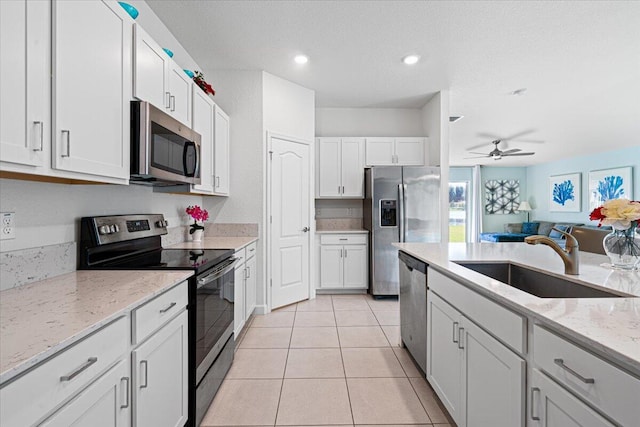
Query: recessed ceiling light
{"points": [[519, 92], [301, 59], [453, 119], [411, 59]]}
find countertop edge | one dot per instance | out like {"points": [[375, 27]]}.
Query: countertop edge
{"points": [[221, 242], [342, 231]]}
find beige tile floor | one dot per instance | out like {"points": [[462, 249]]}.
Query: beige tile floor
{"points": [[333, 361]]}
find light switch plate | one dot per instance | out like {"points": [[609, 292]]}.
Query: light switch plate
{"points": [[7, 227]]}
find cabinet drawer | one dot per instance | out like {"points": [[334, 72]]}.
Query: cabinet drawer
{"points": [[606, 387], [343, 239], [241, 255], [501, 322], [251, 249], [156, 312], [37, 393]]}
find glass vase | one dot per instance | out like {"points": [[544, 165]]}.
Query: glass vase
{"points": [[623, 248]]}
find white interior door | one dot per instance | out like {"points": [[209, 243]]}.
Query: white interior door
{"points": [[290, 234]]}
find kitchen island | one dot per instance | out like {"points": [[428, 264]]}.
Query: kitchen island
{"points": [[497, 355]]}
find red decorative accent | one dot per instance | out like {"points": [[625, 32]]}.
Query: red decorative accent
{"points": [[198, 78]]}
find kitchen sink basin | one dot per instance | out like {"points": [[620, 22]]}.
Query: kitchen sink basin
{"points": [[536, 283]]}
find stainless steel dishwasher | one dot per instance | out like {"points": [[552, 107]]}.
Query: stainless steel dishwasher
{"points": [[413, 307]]}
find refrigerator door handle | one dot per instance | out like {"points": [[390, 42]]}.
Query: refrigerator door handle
{"points": [[401, 212]]}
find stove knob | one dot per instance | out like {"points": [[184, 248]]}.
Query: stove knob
{"points": [[103, 229], [117, 228], [166, 224], [112, 229]]}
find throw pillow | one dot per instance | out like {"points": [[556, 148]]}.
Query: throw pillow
{"points": [[557, 235], [530, 227], [545, 227], [514, 227]]}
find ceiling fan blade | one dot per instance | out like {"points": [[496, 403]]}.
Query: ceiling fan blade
{"points": [[506, 138], [513, 150], [475, 152], [528, 141], [478, 157], [519, 154], [474, 147]]}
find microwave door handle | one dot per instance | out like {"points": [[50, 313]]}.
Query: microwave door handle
{"points": [[184, 158]]}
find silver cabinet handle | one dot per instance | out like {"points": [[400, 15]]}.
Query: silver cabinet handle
{"points": [[343, 189], [90, 361], [168, 97], [146, 383], [68, 133], [455, 328], [173, 102], [339, 189], [248, 272], [126, 388], [169, 307], [344, 239], [346, 251], [460, 345], [533, 391], [585, 380], [253, 249], [217, 181], [41, 125]]}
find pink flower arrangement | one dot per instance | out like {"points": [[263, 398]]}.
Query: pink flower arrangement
{"points": [[198, 214]]}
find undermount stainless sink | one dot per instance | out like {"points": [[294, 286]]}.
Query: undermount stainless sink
{"points": [[536, 283]]}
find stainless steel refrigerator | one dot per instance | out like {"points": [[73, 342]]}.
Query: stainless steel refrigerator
{"points": [[402, 204]]}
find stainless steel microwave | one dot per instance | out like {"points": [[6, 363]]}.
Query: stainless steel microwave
{"points": [[163, 150]]}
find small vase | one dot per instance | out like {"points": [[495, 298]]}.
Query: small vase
{"points": [[197, 235], [623, 248]]}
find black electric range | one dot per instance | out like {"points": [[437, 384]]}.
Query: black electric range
{"points": [[133, 242]]}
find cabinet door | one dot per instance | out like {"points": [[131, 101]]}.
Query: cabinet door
{"points": [[150, 71], [180, 93], [355, 266], [553, 406], [250, 287], [203, 116], [494, 380], [328, 181], [444, 355], [221, 153], [104, 403], [92, 87], [24, 71], [410, 151], [352, 167], [331, 270], [160, 379], [380, 152], [239, 295]]}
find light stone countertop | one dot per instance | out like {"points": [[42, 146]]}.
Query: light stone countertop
{"points": [[346, 231], [41, 318], [216, 242], [610, 326]]}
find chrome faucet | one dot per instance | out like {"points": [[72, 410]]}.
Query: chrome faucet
{"points": [[569, 255]]}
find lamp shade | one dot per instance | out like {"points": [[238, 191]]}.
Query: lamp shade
{"points": [[524, 207]]}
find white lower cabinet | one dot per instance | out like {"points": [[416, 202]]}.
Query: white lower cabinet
{"points": [[104, 403], [160, 377], [244, 286], [479, 380], [343, 261], [250, 289], [553, 406]]}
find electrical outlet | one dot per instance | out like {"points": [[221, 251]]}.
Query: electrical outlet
{"points": [[7, 224]]}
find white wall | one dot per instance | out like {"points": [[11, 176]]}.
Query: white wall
{"points": [[431, 120], [369, 122], [289, 109]]}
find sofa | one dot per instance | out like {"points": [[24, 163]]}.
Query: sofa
{"points": [[516, 232]]}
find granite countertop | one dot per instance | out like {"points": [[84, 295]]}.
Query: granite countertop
{"points": [[346, 231], [217, 242], [41, 318], [609, 325]]}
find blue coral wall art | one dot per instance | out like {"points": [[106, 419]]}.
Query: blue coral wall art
{"points": [[609, 184], [564, 192]]}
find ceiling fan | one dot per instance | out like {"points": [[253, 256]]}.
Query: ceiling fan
{"points": [[497, 154]]}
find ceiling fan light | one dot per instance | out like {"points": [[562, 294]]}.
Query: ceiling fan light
{"points": [[411, 59]]}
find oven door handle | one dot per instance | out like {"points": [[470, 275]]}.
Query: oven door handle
{"points": [[216, 275]]}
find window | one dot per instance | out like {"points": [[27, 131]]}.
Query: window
{"points": [[458, 211]]}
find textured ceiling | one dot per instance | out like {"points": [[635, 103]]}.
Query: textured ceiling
{"points": [[580, 62]]}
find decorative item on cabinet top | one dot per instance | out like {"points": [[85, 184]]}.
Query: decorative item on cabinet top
{"points": [[198, 78], [168, 52], [189, 73], [132, 11]]}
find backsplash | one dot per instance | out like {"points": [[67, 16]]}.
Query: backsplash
{"points": [[339, 224], [231, 230]]}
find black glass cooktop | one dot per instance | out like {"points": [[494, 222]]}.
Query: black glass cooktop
{"points": [[172, 259]]}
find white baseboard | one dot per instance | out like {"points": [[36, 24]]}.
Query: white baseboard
{"points": [[260, 309]]}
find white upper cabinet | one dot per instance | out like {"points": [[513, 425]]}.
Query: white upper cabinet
{"points": [[395, 151], [151, 65], [159, 80], [221, 153], [25, 125], [340, 168], [203, 123], [91, 88]]}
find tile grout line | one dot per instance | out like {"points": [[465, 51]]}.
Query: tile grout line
{"points": [[344, 369], [284, 373]]}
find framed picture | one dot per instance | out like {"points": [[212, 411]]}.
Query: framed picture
{"points": [[607, 184], [502, 196], [564, 193]]}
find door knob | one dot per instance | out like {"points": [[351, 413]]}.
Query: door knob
{"points": [[306, 229]]}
